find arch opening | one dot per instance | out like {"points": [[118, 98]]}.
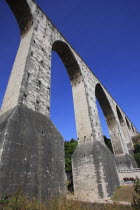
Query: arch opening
{"points": [[110, 119], [83, 129], [66, 60], [9, 42], [67, 57], [104, 127], [64, 72], [61, 108]]}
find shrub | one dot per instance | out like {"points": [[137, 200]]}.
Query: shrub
{"points": [[19, 201], [136, 195]]}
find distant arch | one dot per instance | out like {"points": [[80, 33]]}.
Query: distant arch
{"points": [[119, 115], [110, 118], [128, 125], [123, 125], [132, 128]]}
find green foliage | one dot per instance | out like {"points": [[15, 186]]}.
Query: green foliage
{"points": [[137, 148], [137, 186], [108, 143], [18, 201], [137, 153], [69, 150], [136, 196], [137, 159], [70, 146]]}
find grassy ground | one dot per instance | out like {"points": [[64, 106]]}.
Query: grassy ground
{"points": [[19, 201], [123, 193], [60, 204]]}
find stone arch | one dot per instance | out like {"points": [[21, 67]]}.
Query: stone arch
{"points": [[126, 135], [22, 12], [132, 128], [68, 59], [128, 125], [110, 118], [119, 114], [81, 111]]}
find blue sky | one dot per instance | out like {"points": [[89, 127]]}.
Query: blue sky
{"points": [[105, 33]]}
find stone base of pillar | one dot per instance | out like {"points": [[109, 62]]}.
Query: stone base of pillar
{"points": [[95, 174], [125, 162], [31, 154]]}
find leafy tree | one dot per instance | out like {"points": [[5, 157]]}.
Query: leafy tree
{"points": [[136, 196], [69, 150], [70, 146]]}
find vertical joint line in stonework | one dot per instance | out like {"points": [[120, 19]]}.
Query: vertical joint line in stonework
{"points": [[37, 105]]}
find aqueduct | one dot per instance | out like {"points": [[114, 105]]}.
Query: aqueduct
{"points": [[31, 149]]}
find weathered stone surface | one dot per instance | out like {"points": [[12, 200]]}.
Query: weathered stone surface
{"points": [[125, 162], [94, 171], [31, 154], [29, 86], [30, 81]]}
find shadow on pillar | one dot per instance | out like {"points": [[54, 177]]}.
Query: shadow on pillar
{"points": [[31, 154]]}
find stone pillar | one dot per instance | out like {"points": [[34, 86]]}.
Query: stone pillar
{"points": [[31, 148], [82, 115], [30, 77], [95, 173]]}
